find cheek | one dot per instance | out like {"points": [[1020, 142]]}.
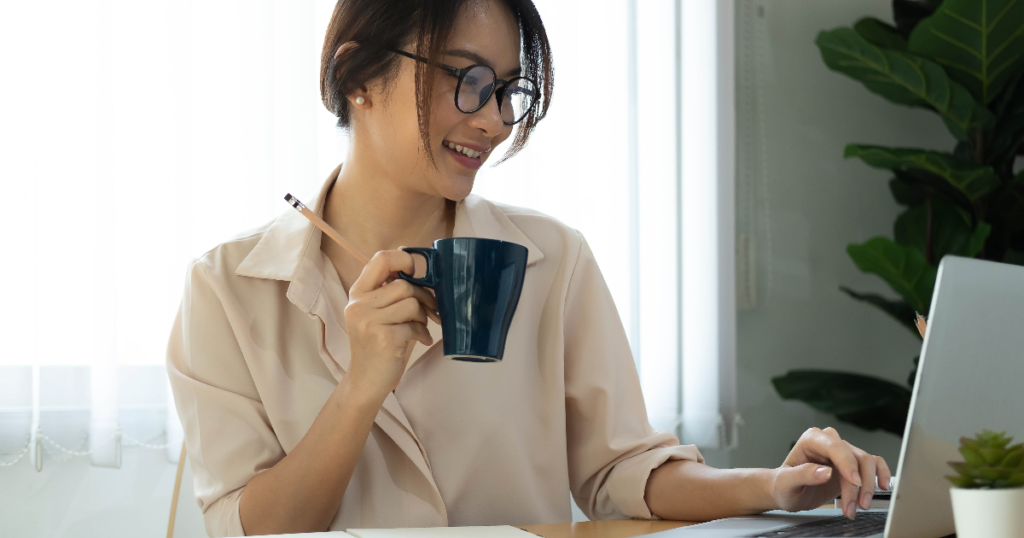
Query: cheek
{"points": [[444, 119], [505, 134]]}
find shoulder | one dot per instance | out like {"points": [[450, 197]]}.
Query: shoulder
{"points": [[557, 240], [220, 262]]}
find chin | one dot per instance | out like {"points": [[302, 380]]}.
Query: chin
{"points": [[459, 187]]}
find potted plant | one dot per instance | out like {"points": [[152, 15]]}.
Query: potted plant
{"points": [[964, 61], [988, 492]]}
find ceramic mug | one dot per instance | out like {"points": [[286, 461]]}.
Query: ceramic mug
{"points": [[477, 283]]}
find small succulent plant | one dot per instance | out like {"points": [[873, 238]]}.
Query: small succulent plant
{"points": [[989, 462]]}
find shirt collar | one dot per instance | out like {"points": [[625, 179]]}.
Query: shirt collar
{"points": [[290, 248]]}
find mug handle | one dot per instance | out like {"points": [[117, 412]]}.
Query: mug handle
{"points": [[428, 280]]}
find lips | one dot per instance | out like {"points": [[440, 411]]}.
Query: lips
{"points": [[468, 157], [465, 150]]}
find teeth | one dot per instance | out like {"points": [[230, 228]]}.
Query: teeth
{"points": [[463, 150]]}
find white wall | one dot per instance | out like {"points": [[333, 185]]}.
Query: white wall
{"points": [[802, 204]]}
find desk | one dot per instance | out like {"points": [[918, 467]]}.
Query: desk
{"points": [[625, 528]]}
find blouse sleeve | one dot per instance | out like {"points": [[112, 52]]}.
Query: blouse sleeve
{"points": [[612, 446], [227, 433]]}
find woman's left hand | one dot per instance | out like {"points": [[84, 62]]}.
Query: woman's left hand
{"points": [[822, 466]]}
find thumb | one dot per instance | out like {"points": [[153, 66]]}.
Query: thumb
{"points": [[808, 474]]}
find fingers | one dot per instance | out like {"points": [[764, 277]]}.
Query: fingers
{"points": [[421, 334], [825, 446], [376, 283], [867, 476], [831, 446], [404, 311], [848, 465], [884, 475], [848, 497], [381, 267], [414, 331], [397, 290], [812, 474]]}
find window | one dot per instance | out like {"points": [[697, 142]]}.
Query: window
{"points": [[176, 125]]}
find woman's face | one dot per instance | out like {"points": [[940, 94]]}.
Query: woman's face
{"points": [[486, 33]]}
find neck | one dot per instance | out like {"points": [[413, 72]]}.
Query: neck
{"points": [[376, 212]]}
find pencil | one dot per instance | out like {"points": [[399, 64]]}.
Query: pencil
{"points": [[325, 228], [921, 323]]}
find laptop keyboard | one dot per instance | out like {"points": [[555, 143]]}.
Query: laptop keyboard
{"points": [[866, 524]]}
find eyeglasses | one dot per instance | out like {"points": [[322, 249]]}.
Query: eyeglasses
{"points": [[478, 82]]}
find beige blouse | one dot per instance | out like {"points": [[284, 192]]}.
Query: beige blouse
{"points": [[259, 343]]}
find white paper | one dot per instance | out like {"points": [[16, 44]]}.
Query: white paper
{"points": [[504, 531], [331, 534]]}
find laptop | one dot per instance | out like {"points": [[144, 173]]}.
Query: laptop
{"points": [[968, 379]]}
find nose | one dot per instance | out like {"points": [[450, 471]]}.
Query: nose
{"points": [[488, 118]]}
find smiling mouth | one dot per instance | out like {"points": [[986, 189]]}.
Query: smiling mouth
{"points": [[472, 154]]}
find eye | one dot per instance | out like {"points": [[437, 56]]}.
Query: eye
{"points": [[523, 90]]}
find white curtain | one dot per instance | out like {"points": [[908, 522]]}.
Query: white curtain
{"points": [[137, 135], [140, 133]]}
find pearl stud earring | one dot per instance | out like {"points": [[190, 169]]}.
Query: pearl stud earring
{"points": [[360, 100]]}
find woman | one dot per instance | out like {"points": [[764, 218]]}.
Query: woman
{"points": [[312, 390]]}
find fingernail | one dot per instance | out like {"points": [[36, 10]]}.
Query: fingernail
{"points": [[850, 511], [824, 471], [865, 500]]}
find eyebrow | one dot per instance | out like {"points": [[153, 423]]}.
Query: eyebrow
{"points": [[477, 59]]}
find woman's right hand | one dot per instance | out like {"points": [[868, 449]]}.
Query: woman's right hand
{"points": [[385, 316]]}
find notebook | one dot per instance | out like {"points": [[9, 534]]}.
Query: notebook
{"points": [[444, 532]]}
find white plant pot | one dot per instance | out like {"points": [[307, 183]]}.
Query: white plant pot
{"points": [[988, 513]]}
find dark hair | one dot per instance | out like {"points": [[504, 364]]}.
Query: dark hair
{"points": [[380, 25]]}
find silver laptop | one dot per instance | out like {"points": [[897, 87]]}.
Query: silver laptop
{"points": [[968, 379]]}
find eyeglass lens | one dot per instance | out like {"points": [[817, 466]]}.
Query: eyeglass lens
{"points": [[477, 85]]}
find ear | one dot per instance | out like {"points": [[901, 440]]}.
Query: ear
{"points": [[359, 98], [345, 48]]}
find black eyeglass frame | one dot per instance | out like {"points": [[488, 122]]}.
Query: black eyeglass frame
{"points": [[498, 88]]}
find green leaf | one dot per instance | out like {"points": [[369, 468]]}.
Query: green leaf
{"points": [[964, 469], [992, 455], [899, 310], [906, 193], [909, 13], [1014, 257], [993, 473], [970, 443], [1008, 133], [868, 402], [1013, 459], [951, 230], [1012, 482], [880, 34], [902, 78], [972, 457], [903, 268], [1010, 205], [998, 439], [972, 180], [961, 481], [979, 42], [928, 182]]}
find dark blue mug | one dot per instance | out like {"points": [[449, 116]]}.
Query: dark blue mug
{"points": [[477, 283]]}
